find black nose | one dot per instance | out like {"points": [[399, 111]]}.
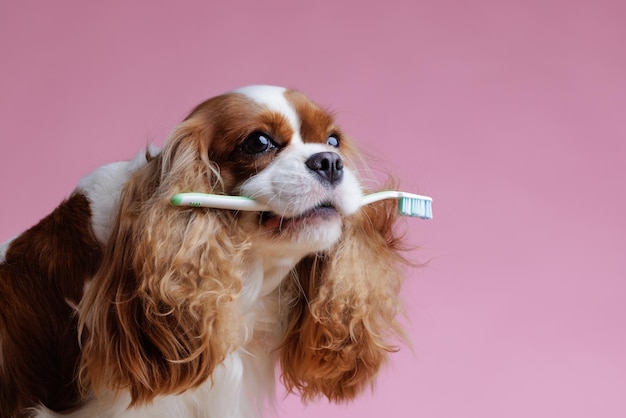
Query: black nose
{"points": [[327, 165]]}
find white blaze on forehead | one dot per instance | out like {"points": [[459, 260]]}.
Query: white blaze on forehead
{"points": [[274, 98]]}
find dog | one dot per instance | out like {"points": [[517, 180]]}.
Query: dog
{"points": [[119, 304]]}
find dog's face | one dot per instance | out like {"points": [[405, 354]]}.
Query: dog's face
{"points": [[276, 146]]}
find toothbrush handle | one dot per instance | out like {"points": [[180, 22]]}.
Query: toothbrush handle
{"points": [[391, 194], [245, 203], [217, 202]]}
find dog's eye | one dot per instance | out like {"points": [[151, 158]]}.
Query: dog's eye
{"points": [[257, 143], [333, 141]]}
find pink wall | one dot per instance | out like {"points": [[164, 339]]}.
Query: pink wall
{"points": [[511, 114]]}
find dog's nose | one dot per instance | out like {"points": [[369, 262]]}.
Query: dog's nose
{"points": [[327, 165]]}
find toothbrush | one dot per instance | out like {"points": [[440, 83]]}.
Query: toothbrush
{"points": [[409, 204]]}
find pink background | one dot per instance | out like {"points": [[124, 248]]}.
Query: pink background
{"points": [[511, 114]]}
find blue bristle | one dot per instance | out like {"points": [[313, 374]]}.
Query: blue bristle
{"points": [[419, 208]]}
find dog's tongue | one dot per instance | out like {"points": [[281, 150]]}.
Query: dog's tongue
{"points": [[274, 222]]}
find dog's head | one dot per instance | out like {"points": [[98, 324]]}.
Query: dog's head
{"points": [[165, 308], [278, 147]]}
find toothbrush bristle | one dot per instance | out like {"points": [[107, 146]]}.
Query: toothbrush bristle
{"points": [[419, 208]]}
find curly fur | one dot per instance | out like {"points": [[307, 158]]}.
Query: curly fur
{"points": [[163, 283], [340, 330], [156, 310]]}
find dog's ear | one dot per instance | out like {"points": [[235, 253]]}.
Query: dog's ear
{"points": [[161, 312], [340, 329]]}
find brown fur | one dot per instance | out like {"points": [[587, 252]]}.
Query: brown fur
{"points": [[339, 331], [44, 267]]}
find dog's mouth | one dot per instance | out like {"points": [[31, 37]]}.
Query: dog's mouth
{"points": [[321, 212]]}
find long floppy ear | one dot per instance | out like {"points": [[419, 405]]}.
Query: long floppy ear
{"points": [[159, 315], [339, 330]]}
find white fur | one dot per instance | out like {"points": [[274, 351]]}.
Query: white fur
{"points": [[274, 98], [302, 192], [103, 187]]}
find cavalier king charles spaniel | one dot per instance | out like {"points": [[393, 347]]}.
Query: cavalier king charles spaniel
{"points": [[118, 304]]}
